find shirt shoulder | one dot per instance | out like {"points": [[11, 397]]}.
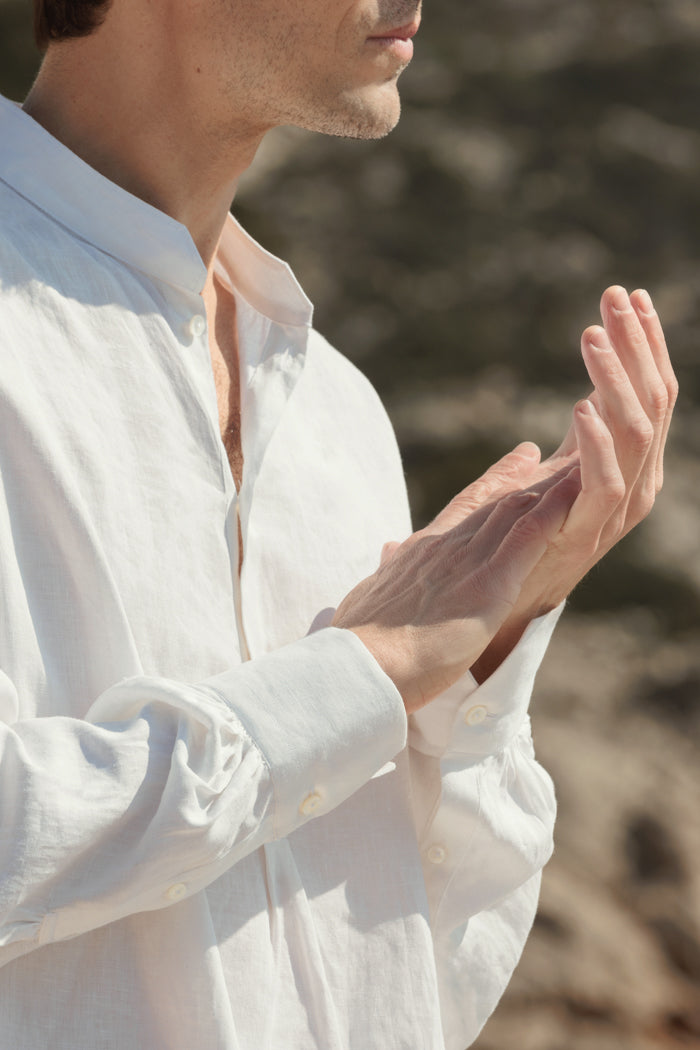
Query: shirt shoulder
{"points": [[58, 290], [40, 259], [26, 229], [340, 377]]}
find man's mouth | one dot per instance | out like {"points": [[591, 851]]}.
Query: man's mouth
{"points": [[400, 33]]}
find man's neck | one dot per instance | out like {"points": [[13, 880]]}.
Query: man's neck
{"points": [[136, 116]]}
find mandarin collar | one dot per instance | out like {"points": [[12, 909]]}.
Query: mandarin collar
{"points": [[44, 171]]}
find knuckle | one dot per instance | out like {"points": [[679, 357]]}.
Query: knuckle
{"points": [[672, 391], [612, 492], [658, 401], [528, 529], [644, 499], [477, 493], [618, 523], [639, 435], [509, 467], [612, 373], [636, 336]]}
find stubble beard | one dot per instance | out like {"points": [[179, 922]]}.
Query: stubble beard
{"points": [[327, 104], [352, 115]]}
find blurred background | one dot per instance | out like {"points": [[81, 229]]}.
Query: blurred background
{"points": [[546, 150]]}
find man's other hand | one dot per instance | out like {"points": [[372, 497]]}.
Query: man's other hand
{"points": [[618, 437], [438, 599]]}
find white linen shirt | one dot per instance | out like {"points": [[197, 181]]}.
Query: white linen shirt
{"points": [[217, 830]]}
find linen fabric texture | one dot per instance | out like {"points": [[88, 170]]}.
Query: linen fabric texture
{"points": [[218, 829]]}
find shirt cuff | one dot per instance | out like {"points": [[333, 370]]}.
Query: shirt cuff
{"points": [[324, 716], [473, 719]]}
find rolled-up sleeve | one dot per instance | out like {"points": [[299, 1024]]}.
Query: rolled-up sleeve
{"points": [[163, 786]]}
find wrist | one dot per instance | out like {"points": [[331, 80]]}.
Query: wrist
{"points": [[384, 652], [508, 636]]}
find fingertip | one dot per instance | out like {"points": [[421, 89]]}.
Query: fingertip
{"points": [[641, 301], [615, 297], [595, 337], [528, 450], [588, 421], [585, 409], [567, 487]]}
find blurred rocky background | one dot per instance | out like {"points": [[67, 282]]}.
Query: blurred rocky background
{"points": [[547, 149]]}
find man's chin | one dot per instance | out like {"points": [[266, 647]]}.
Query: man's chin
{"points": [[366, 116]]}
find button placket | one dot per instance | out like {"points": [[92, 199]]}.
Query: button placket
{"points": [[436, 854], [197, 326]]}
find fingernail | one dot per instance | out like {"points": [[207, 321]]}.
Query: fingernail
{"points": [[528, 450], [619, 299], [644, 301], [586, 408], [598, 339], [524, 499]]}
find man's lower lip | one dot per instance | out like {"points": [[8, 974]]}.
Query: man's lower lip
{"points": [[399, 47]]}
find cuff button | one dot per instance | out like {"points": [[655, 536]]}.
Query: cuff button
{"points": [[176, 892], [310, 804]]}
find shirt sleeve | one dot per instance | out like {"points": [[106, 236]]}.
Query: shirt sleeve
{"points": [[484, 811], [164, 786]]}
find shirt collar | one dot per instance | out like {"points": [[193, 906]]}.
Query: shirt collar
{"points": [[267, 282], [45, 172]]}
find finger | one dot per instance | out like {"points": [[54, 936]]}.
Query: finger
{"points": [[620, 408], [649, 319], [510, 510], [603, 490], [568, 446], [530, 534], [478, 546], [511, 472], [629, 338], [553, 470]]}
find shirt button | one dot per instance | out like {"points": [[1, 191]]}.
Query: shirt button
{"points": [[310, 804], [176, 892], [475, 715], [436, 854], [197, 326]]}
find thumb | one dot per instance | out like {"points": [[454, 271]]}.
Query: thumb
{"points": [[513, 471]]}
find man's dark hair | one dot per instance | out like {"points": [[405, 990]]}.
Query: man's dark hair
{"points": [[60, 19]]}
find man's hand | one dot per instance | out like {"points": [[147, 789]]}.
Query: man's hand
{"points": [[618, 437], [438, 599]]}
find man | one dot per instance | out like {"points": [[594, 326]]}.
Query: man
{"points": [[247, 801]]}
